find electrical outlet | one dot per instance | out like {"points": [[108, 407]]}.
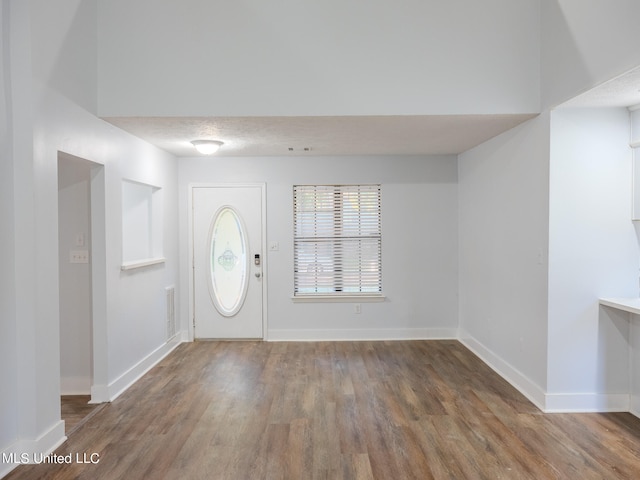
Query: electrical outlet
{"points": [[357, 308], [79, 256]]}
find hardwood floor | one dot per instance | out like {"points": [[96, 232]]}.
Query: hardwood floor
{"points": [[343, 410], [76, 409]]}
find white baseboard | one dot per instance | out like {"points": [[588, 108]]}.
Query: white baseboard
{"points": [[362, 334], [586, 402], [6, 466], [634, 405], [551, 403], [25, 451], [99, 394], [520, 382], [108, 393]]}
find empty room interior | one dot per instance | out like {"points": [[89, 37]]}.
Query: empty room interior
{"points": [[409, 201]]}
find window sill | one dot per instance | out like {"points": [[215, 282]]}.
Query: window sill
{"points": [[338, 298]]}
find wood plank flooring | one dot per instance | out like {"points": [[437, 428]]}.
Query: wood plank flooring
{"points": [[75, 409], [338, 410]]}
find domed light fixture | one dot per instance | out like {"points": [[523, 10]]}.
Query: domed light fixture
{"points": [[207, 147]]}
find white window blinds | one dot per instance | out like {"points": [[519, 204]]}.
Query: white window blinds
{"points": [[337, 240]]}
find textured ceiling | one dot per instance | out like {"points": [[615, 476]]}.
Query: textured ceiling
{"points": [[354, 135], [622, 91], [346, 135]]}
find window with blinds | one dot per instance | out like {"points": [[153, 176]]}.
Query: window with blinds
{"points": [[337, 240]]}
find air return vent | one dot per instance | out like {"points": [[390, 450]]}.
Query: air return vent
{"points": [[171, 312]]}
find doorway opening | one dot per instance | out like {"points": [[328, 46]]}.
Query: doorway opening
{"points": [[76, 246]]}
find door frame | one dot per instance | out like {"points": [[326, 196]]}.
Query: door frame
{"points": [[98, 274], [263, 246]]}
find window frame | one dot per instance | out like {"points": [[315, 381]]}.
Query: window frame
{"points": [[340, 241]]}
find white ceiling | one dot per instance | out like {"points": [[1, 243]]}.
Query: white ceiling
{"points": [[344, 135]]}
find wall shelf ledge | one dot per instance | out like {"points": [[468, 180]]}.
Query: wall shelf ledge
{"points": [[631, 305], [141, 263]]}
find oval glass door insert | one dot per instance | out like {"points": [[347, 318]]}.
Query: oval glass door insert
{"points": [[229, 262]]}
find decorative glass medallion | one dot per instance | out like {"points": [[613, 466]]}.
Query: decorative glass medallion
{"points": [[229, 261]]}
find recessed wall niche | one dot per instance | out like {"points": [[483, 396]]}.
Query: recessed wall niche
{"points": [[141, 225]]}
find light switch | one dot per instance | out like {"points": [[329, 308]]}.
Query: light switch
{"points": [[80, 240], [79, 256]]}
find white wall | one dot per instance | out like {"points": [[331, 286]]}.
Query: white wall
{"points": [[64, 54], [503, 312], [8, 327], [585, 43], [419, 241], [593, 253], [292, 57], [22, 406], [45, 119], [135, 306], [503, 188], [74, 219]]}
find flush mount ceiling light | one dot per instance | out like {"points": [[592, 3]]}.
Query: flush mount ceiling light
{"points": [[207, 147]]}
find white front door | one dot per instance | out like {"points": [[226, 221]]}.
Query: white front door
{"points": [[227, 261]]}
